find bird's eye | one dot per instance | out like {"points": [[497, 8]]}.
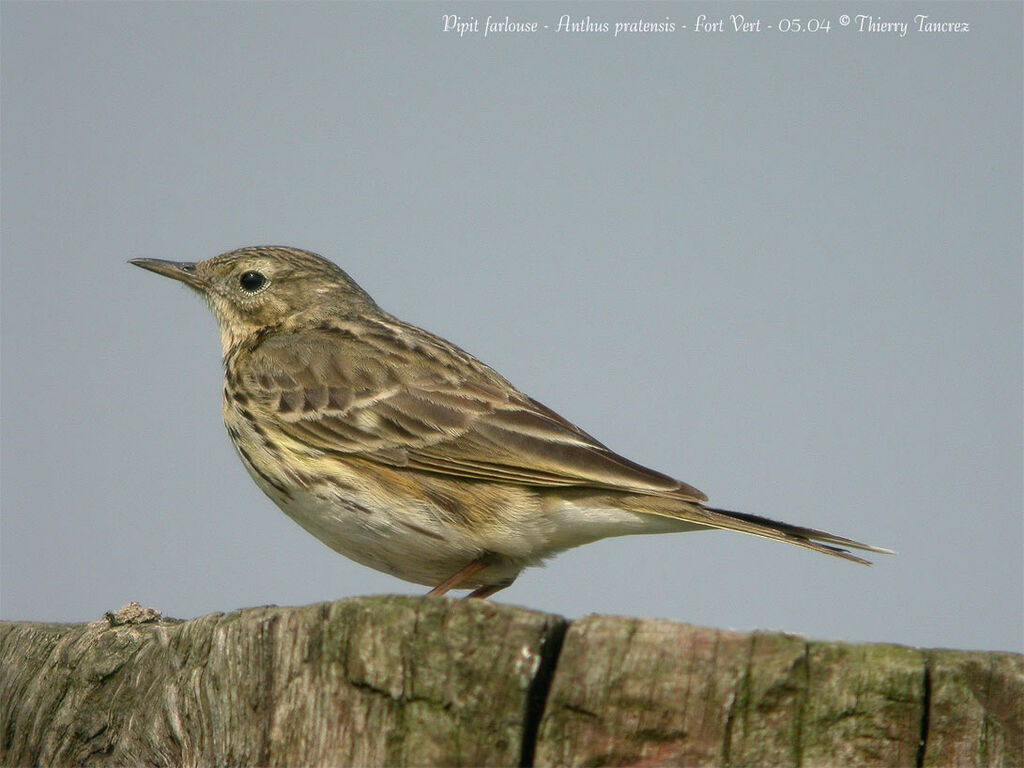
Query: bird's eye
{"points": [[252, 281]]}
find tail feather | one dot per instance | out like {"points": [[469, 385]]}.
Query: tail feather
{"points": [[809, 538], [819, 541]]}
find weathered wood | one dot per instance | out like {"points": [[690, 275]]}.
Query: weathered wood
{"points": [[429, 681], [380, 681], [644, 692], [976, 712]]}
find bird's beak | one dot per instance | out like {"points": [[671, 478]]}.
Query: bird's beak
{"points": [[185, 271]]}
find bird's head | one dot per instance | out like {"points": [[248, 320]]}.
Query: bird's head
{"points": [[266, 286]]}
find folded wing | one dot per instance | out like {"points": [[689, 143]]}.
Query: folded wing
{"points": [[420, 403]]}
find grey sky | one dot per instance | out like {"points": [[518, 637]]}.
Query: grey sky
{"points": [[785, 268]]}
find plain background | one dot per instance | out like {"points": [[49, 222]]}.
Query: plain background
{"points": [[785, 268]]}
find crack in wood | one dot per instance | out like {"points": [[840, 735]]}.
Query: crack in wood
{"points": [[738, 701], [540, 688], [801, 707], [926, 705]]}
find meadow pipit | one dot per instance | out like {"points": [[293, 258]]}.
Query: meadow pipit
{"points": [[403, 452]]}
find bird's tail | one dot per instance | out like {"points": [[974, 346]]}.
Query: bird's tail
{"points": [[809, 538], [819, 541]]}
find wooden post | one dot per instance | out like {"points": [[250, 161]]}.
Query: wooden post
{"points": [[431, 681]]}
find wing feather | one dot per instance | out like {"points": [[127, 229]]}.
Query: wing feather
{"points": [[439, 411]]}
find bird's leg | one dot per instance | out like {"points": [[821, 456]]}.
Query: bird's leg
{"points": [[460, 576], [482, 593]]}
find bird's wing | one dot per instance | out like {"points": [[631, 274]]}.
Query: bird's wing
{"points": [[412, 400]]}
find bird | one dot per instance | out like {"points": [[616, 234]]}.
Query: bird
{"points": [[405, 453]]}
